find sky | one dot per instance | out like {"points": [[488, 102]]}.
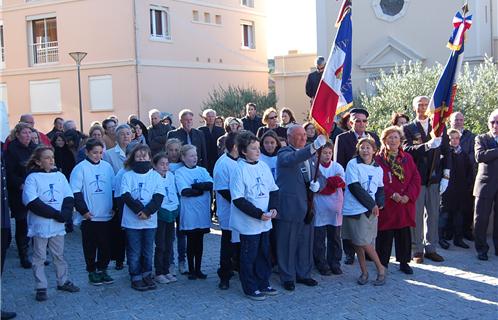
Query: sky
{"points": [[291, 25]]}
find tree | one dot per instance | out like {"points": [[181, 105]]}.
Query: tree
{"points": [[231, 101], [477, 94]]}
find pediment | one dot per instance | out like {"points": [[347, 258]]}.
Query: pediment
{"points": [[388, 54]]}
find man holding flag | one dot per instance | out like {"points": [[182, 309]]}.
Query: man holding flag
{"points": [[431, 152]]}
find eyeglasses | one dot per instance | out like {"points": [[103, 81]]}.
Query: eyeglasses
{"points": [[493, 122], [272, 118], [364, 121]]}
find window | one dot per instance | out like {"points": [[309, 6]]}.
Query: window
{"points": [[159, 23], [248, 3], [195, 15], [45, 96], [248, 35], [100, 92], [218, 19], [44, 47], [390, 10], [207, 17]]}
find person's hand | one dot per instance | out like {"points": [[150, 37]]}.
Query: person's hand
{"points": [[88, 216], [142, 216], [375, 211], [314, 186], [434, 143], [443, 185], [266, 216], [273, 213], [319, 142], [405, 199], [396, 197]]}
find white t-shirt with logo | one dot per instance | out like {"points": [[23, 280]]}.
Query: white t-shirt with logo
{"points": [[221, 174], [51, 188], [96, 182], [195, 212], [271, 162], [254, 182], [141, 187], [170, 200], [369, 176], [328, 208]]}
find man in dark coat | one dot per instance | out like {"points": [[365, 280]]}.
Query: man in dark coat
{"points": [[58, 127], [211, 135], [433, 162], [157, 133], [314, 78], [189, 135], [251, 121], [345, 149], [486, 186]]}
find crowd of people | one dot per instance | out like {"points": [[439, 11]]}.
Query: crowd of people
{"points": [[286, 198]]}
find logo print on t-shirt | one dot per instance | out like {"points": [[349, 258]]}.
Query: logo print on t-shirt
{"points": [[259, 184], [369, 182], [51, 193], [140, 187], [97, 182]]}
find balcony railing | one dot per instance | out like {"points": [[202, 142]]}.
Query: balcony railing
{"points": [[45, 52]]}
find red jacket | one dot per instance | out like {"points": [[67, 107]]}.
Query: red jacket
{"points": [[397, 215]]}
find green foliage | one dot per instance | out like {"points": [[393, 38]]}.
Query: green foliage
{"points": [[231, 101], [477, 94]]}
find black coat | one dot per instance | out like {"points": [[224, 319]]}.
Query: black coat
{"points": [[252, 124], [280, 131], [486, 184], [64, 160], [16, 158], [211, 138], [459, 191], [196, 138], [312, 83], [157, 136], [345, 146]]}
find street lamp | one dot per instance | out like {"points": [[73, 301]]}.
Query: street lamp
{"points": [[78, 57]]}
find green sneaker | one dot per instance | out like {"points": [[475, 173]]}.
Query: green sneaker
{"points": [[95, 278], [106, 279]]}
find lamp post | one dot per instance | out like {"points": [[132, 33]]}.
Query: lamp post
{"points": [[78, 57]]}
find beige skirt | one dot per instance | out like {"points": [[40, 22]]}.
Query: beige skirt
{"points": [[362, 231]]}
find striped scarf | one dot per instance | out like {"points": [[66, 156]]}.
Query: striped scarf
{"points": [[396, 167]]}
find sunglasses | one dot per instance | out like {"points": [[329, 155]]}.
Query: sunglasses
{"points": [[272, 118], [493, 122]]}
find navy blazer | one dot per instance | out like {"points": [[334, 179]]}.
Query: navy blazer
{"points": [[345, 146], [486, 149], [196, 138]]}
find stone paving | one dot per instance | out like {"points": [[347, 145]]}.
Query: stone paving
{"points": [[460, 288]]}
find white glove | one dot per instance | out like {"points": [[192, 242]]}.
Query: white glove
{"points": [[434, 143], [314, 186], [443, 185], [319, 142]]}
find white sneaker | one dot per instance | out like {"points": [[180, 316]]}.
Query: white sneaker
{"points": [[162, 279], [171, 277], [182, 267], [172, 269]]}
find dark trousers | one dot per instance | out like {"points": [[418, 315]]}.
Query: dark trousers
{"points": [[117, 239], [327, 254], [226, 255], [483, 207], [6, 239], [468, 217], [195, 248], [181, 243], [96, 236], [402, 242], [22, 240], [451, 225], [165, 234], [255, 264], [348, 248]]}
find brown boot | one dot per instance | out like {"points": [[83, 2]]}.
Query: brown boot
{"points": [[434, 256]]}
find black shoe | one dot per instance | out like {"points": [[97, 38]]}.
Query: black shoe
{"points": [[151, 285], [460, 243], [192, 276], [325, 271], [349, 260], [69, 287], [289, 285], [482, 256], [41, 295], [405, 268], [6, 315], [224, 284], [201, 275], [336, 270], [139, 285], [444, 244], [468, 236], [25, 263], [307, 282], [119, 265]]}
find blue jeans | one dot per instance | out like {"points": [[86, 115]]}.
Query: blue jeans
{"points": [[139, 252], [255, 264]]}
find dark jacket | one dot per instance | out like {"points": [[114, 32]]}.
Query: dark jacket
{"points": [[335, 132], [52, 133], [252, 124], [280, 131], [16, 158], [196, 138], [157, 136], [459, 190], [64, 160], [467, 141], [415, 145], [345, 146], [211, 137], [312, 83], [5, 201], [486, 149]]}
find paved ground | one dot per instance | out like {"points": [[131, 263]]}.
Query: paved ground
{"points": [[460, 288]]}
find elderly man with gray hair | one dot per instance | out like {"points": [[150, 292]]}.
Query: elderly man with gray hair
{"points": [[314, 78], [157, 133], [211, 135]]}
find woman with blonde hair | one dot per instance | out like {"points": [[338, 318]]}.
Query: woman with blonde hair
{"points": [[270, 121]]}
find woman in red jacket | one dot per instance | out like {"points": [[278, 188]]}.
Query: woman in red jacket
{"points": [[401, 187]]}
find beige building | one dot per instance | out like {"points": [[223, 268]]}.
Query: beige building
{"points": [[386, 33], [165, 54]]}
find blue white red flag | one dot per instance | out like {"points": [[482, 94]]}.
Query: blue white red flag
{"points": [[335, 92], [441, 104]]}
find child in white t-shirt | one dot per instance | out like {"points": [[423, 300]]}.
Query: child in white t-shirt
{"points": [[327, 206], [92, 182], [254, 203], [49, 199], [142, 192], [194, 185]]}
